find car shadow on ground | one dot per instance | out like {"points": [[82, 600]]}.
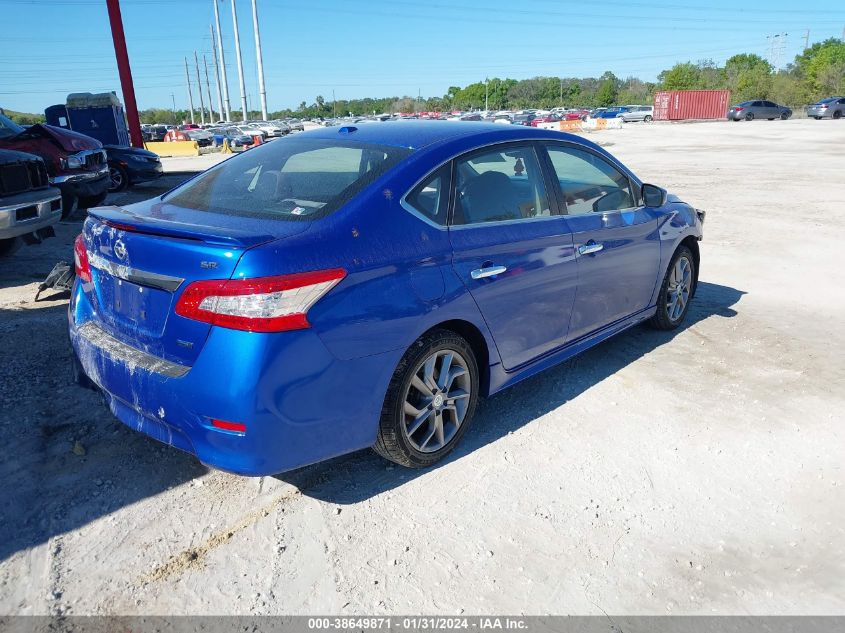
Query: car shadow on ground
{"points": [[66, 460], [361, 475]]}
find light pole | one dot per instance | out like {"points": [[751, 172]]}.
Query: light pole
{"points": [[240, 61], [173, 99]]}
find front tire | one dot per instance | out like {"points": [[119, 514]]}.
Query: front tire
{"points": [[119, 179], [784, 116], [430, 401], [837, 114], [676, 291], [648, 118]]}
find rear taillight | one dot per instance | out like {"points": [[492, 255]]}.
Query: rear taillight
{"points": [[80, 259], [262, 304], [738, 109]]}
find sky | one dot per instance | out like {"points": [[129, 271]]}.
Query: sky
{"points": [[352, 49]]}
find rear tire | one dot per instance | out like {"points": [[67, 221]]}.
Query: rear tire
{"points": [[749, 117], [648, 118], [676, 291], [430, 401]]}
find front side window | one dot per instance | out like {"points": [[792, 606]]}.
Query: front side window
{"points": [[500, 185], [289, 179], [589, 183]]}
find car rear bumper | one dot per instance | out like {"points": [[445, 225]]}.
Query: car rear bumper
{"points": [[28, 212], [823, 114], [300, 404]]}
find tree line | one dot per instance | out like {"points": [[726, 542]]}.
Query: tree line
{"points": [[817, 72]]}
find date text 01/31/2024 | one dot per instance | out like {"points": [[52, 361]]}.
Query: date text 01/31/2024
{"points": [[417, 623]]}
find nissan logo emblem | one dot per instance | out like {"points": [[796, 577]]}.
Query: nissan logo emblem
{"points": [[120, 250]]}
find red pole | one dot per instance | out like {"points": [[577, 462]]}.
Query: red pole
{"points": [[125, 72]]}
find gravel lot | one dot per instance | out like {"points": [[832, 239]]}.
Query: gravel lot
{"points": [[695, 472]]}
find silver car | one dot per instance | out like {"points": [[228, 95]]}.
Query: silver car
{"points": [[833, 107], [750, 110], [644, 114]]}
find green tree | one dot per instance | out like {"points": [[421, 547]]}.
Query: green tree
{"points": [[822, 67], [748, 76], [685, 76]]}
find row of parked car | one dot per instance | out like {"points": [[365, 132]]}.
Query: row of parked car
{"points": [[527, 117], [214, 133]]}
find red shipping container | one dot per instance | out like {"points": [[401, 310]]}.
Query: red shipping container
{"points": [[677, 105]]}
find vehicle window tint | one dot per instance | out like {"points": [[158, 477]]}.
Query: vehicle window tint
{"points": [[769, 104], [500, 185], [431, 197], [589, 183], [289, 179]]}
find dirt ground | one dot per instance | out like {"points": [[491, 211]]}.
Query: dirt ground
{"points": [[693, 472]]}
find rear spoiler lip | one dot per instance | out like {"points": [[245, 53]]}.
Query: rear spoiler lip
{"points": [[123, 219]]}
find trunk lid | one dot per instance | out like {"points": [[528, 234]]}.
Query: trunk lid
{"points": [[143, 256]]}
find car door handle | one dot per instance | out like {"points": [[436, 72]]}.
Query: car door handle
{"points": [[490, 271], [589, 248]]}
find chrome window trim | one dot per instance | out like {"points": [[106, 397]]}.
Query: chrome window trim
{"points": [[476, 225]]}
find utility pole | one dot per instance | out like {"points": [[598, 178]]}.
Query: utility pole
{"points": [[125, 72], [199, 87], [334, 104], [208, 90], [777, 43], [216, 74], [225, 81], [486, 81], [262, 92], [239, 60], [190, 94], [806, 39], [173, 99]]}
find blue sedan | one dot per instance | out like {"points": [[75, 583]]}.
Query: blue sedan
{"points": [[354, 287]]}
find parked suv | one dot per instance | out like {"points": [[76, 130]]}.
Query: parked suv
{"points": [[75, 163], [29, 206]]}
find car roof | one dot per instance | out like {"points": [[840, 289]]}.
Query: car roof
{"points": [[418, 134]]}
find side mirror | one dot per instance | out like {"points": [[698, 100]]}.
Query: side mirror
{"points": [[654, 196]]}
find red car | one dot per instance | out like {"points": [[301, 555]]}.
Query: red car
{"points": [[77, 164], [548, 118], [574, 115]]}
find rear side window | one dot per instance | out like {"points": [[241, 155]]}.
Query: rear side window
{"points": [[431, 197], [588, 182], [288, 179]]}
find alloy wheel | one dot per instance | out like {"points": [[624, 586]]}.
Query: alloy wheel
{"points": [[436, 401], [678, 291], [116, 177]]}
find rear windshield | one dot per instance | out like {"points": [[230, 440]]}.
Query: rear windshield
{"points": [[292, 178]]}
